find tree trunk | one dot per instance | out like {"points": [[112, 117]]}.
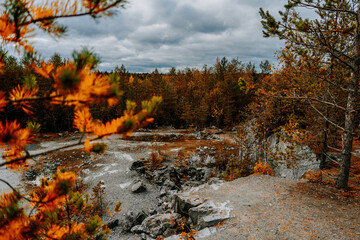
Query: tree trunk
{"points": [[324, 146], [350, 112], [347, 139]]}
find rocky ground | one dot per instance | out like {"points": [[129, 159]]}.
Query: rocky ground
{"points": [[159, 196]]}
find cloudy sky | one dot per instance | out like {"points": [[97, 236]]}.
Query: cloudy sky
{"points": [[161, 34]]}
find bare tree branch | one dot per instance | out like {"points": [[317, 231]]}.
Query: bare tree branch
{"points": [[327, 119], [307, 98]]}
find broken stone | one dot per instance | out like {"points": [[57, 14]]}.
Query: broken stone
{"points": [[212, 153], [157, 224], [207, 172], [169, 184], [113, 224], [196, 213], [138, 166], [169, 232], [137, 229], [163, 192], [152, 211], [30, 175], [219, 132], [212, 219], [215, 180], [209, 161], [133, 218], [182, 203], [146, 237], [138, 187]]}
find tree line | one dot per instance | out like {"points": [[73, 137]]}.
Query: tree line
{"points": [[212, 96]]}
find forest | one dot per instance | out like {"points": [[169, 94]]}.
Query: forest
{"points": [[310, 96], [212, 96]]}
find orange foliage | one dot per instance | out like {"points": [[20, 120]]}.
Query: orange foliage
{"points": [[14, 140], [83, 120], [52, 194], [314, 176], [20, 95], [56, 211], [154, 161], [76, 87], [263, 169]]}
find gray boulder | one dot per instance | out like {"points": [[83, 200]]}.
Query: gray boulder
{"points": [[156, 225], [291, 160], [183, 202], [138, 187], [196, 213], [133, 218], [208, 214]]}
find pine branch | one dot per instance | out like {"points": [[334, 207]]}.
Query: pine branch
{"points": [[326, 8]]}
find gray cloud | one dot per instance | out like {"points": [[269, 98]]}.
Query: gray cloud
{"points": [[164, 33]]}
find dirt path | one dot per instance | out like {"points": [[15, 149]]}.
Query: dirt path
{"points": [[265, 207]]}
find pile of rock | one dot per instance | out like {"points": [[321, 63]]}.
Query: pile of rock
{"points": [[174, 206], [181, 208], [205, 135], [170, 177]]}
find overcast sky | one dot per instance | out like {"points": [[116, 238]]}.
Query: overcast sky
{"points": [[161, 34]]}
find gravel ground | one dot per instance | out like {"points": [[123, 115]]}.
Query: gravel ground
{"points": [[265, 207]]}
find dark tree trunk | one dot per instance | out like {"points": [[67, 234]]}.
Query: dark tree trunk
{"points": [[347, 138], [350, 114], [324, 146]]}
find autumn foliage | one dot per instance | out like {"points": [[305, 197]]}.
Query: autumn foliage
{"points": [[55, 209], [263, 169]]}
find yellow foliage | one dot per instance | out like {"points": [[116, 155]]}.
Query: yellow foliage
{"points": [[56, 212], [50, 197], [314, 176], [20, 97], [263, 169]]}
